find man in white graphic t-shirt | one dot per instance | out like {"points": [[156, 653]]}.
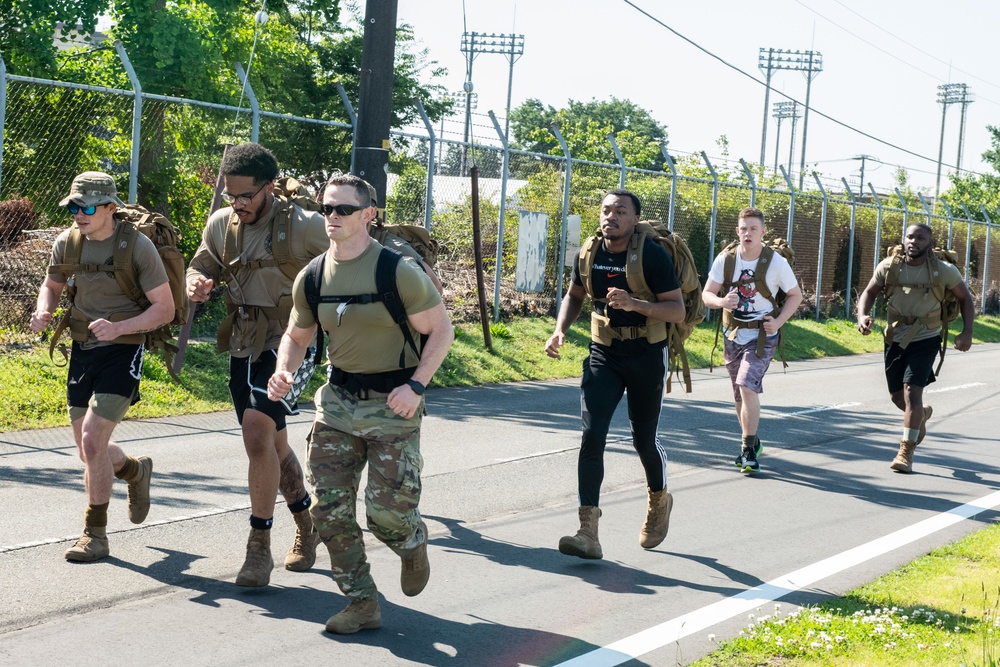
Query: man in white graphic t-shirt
{"points": [[751, 320]]}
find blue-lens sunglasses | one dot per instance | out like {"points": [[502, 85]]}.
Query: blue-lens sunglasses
{"points": [[76, 208]]}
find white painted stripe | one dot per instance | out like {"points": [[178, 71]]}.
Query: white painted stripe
{"points": [[809, 411], [696, 621], [537, 454], [961, 386], [213, 511]]}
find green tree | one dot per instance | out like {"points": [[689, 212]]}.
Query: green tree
{"points": [[28, 31], [585, 126]]}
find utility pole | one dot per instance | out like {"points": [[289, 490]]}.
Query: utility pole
{"points": [[815, 66], [765, 62], [967, 99], [371, 152], [861, 183]]}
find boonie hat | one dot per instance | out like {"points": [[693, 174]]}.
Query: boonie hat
{"points": [[92, 188]]}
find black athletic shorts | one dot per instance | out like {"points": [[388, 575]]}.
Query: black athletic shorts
{"points": [[913, 366], [248, 387], [108, 369]]}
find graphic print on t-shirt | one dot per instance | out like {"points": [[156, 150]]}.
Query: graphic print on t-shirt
{"points": [[746, 292], [612, 271]]}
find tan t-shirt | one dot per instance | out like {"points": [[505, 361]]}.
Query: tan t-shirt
{"points": [[919, 301], [98, 295], [365, 340], [258, 287]]}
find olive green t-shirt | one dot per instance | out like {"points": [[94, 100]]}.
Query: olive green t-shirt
{"points": [[98, 295], [916, 301], [364, 338], [258, 287]]}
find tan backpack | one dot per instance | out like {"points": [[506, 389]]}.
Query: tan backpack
{"points": [[948, 310], [132, 219], [676, 333]]}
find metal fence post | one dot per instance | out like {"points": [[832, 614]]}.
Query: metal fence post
{"points": [[850, 249], [354, 120], [791, 203], [669, 162], [986, 264], [429, 200], [621, 160], [133, 170], [906, 215], [968, 242], [503, 214], [927, 209], [3, 112], [561, 257], [753, 183], [715, 209], [878, 226], [822, 239], [254, 106], [951, 223]]}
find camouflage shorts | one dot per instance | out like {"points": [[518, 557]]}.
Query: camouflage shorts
{"points": [[358, 432]]}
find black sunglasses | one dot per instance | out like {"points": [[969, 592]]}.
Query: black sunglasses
{"points": [[342, 209], [75, 208]]}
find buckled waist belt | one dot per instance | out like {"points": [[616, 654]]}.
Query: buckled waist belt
{"points": [[355, 383]]}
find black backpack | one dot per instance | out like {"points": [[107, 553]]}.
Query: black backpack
{"points": [[386, 292]]}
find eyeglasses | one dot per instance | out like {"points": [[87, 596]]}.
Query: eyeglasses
{"points": [[76, 208], [342, 209], [242, 199]]}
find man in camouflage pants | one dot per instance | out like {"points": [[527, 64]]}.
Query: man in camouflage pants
{"points": [[370, 410]]}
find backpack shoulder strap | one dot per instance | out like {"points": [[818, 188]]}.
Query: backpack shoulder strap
{"points": [[760, 277], [232, 244], [633, 264], [281, 226], [729, 267], [124, 250], [892, 275], [586, 264], [313, 280], [385, 286]]}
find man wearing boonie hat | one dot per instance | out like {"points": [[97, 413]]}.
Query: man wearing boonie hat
{"points": [[106, 360]]}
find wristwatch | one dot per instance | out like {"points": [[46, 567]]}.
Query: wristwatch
{"points": [[417, 388]]}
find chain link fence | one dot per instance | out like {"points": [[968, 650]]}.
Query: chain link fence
{"points": [[54, 130]]}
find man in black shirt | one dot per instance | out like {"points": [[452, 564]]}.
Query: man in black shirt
{"points": [[627, 352]]}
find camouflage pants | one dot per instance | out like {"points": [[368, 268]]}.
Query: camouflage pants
{"points": [[356, 432]]}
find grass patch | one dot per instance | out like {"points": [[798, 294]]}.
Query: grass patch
{"points": [[940, 609], [33, 388]]}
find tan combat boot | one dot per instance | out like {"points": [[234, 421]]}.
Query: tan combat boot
{"points": [[584, 544], [904, 459], [416, 569], [359, 615], [302, 555], [92, 545], [657, 518], [928, 411], [256, 570]]}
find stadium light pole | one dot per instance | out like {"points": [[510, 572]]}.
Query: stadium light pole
{"points": [[950, 93], [474, 43], [769, 60], [782, 111]]}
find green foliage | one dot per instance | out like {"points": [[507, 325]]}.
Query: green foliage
{"points": [[407, 201], [585, 126], [28, 31]]}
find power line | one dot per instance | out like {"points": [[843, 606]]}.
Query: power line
{"points": [[891, 55], [759, 82]]}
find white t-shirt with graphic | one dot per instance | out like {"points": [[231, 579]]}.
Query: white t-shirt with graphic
{"points": [[752, 304]]}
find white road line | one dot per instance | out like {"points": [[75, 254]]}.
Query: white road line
{"points": [[961, 386], [536, 455], [213, 511], [809, 411], [696, 621]]}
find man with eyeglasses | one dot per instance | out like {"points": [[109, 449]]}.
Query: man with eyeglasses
{"points": [[370, 411], [106, 360], [255, 246]]}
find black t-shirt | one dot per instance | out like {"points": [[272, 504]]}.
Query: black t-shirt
{"points": [[609, 271]]}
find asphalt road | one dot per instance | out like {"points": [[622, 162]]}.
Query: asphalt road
{"points": [[825, 514]]}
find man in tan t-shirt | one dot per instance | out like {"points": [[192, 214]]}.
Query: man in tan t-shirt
{"points": [[106, 360], [370, 410], [913, 338], [258, 296]]}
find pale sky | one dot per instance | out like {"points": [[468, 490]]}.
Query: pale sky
{"points": [[882, 63]]}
